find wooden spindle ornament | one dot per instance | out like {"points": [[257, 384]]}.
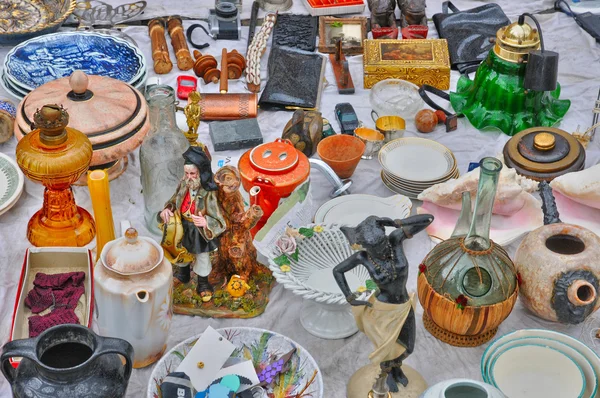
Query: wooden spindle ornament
{"points": [[180, 46], [205, 67], [160, 51]]}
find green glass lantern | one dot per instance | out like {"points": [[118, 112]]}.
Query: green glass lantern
{"points": [[504, 93]]}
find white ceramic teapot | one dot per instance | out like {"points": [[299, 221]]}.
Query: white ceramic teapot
{"points": [[133, 285]]}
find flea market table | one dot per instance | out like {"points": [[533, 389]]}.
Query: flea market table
{"points": [[579, 76]]}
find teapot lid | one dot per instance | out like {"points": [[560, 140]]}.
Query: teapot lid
{"points": [[132, 255], [544, 153], [277, 156]]}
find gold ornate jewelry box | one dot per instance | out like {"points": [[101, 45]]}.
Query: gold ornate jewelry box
{"points": [[417, 61]]}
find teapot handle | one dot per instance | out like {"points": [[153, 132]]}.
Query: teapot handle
{"points": [[109, 345], [18, 348]]}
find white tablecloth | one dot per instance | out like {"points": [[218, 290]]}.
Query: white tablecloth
{"points": [[579, 75]]}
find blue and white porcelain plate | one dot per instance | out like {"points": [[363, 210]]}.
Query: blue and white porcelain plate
{"points": [[11, 183], [49, 57]]}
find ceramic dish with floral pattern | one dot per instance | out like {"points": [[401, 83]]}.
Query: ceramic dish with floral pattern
{"points": [[302, 380]]}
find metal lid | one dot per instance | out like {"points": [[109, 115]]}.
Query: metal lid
{"points": [[543, 153], [274, 156], [131, 254], [516, 41]]}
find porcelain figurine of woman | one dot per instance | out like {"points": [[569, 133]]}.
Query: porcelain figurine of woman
{"points": [[237, 254], [387, 317], [193, 221]]}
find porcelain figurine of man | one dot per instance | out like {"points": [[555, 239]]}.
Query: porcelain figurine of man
{"points": [[195, 206]]}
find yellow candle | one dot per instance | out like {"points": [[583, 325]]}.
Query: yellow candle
{"points": [[100, 195]]}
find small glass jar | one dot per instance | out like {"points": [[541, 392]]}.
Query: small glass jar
{"points": [[161, 159]]}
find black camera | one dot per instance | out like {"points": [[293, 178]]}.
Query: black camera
{"points": [[224, 21]]}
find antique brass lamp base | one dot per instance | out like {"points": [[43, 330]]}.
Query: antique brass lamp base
{"points": [[361, 384]]}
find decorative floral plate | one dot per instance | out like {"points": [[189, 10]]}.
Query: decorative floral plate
{"points": [[45, 58], [11, 183], [262, 347]]}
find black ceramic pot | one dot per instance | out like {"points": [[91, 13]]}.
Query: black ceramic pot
{"points": [[68, 361]]}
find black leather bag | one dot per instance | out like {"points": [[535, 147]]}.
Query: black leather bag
{"points": [[295, 80], [469, 32]]}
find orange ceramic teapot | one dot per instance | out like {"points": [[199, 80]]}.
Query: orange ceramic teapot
{"points": [[270, 172]]}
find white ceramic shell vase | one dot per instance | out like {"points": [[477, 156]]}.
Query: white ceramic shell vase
{"points": [[325, 313]]}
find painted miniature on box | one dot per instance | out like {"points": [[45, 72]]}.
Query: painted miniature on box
{"points": [[387, 317], [204, 213]]}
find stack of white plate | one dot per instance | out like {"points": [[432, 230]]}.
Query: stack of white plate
{"points": [[411, 165], [49, 57], [536, 363]]}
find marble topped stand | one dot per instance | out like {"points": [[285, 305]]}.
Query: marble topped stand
{"points": [[361, 383]]}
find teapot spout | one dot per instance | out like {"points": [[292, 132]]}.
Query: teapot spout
{"points": [[142, 306]]}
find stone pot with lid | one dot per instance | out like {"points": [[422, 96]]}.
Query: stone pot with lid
{"points": [[544, 153], [133, 294], [559, 267], [113, 115]]}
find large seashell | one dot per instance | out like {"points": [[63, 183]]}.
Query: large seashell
{"points": [[509, 195], [516, 211], [581, 186], [577, 197]]}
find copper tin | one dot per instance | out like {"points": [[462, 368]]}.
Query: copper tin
{"points": [[228, 106]]}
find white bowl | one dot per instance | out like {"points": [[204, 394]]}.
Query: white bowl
{"points": [[583, 349], [536, 371], [591, 378]]}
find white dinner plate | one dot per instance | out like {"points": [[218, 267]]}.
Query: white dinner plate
{"points": [[417, 159], [393, 188], [350, 210], [536, 371]]}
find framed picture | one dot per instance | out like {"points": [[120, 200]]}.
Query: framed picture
{"points": [[351, 31]]}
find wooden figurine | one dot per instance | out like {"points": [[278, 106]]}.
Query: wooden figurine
{"points": [[412, 12], [193, 221], [237, 254], [341, 70], [382, 13]]}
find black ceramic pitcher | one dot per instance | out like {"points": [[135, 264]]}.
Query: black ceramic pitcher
{"points": [[68, 361]]}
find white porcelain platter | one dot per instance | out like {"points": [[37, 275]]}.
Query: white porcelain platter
{"points": [[561, 354], [417, 160], [536, 371], [350, 210], [12, 181]]}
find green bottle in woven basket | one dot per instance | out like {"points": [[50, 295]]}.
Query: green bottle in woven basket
{"points": [[467, 284]]}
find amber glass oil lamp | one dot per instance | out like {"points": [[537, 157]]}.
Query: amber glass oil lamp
{"points": [[55, 156]]}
